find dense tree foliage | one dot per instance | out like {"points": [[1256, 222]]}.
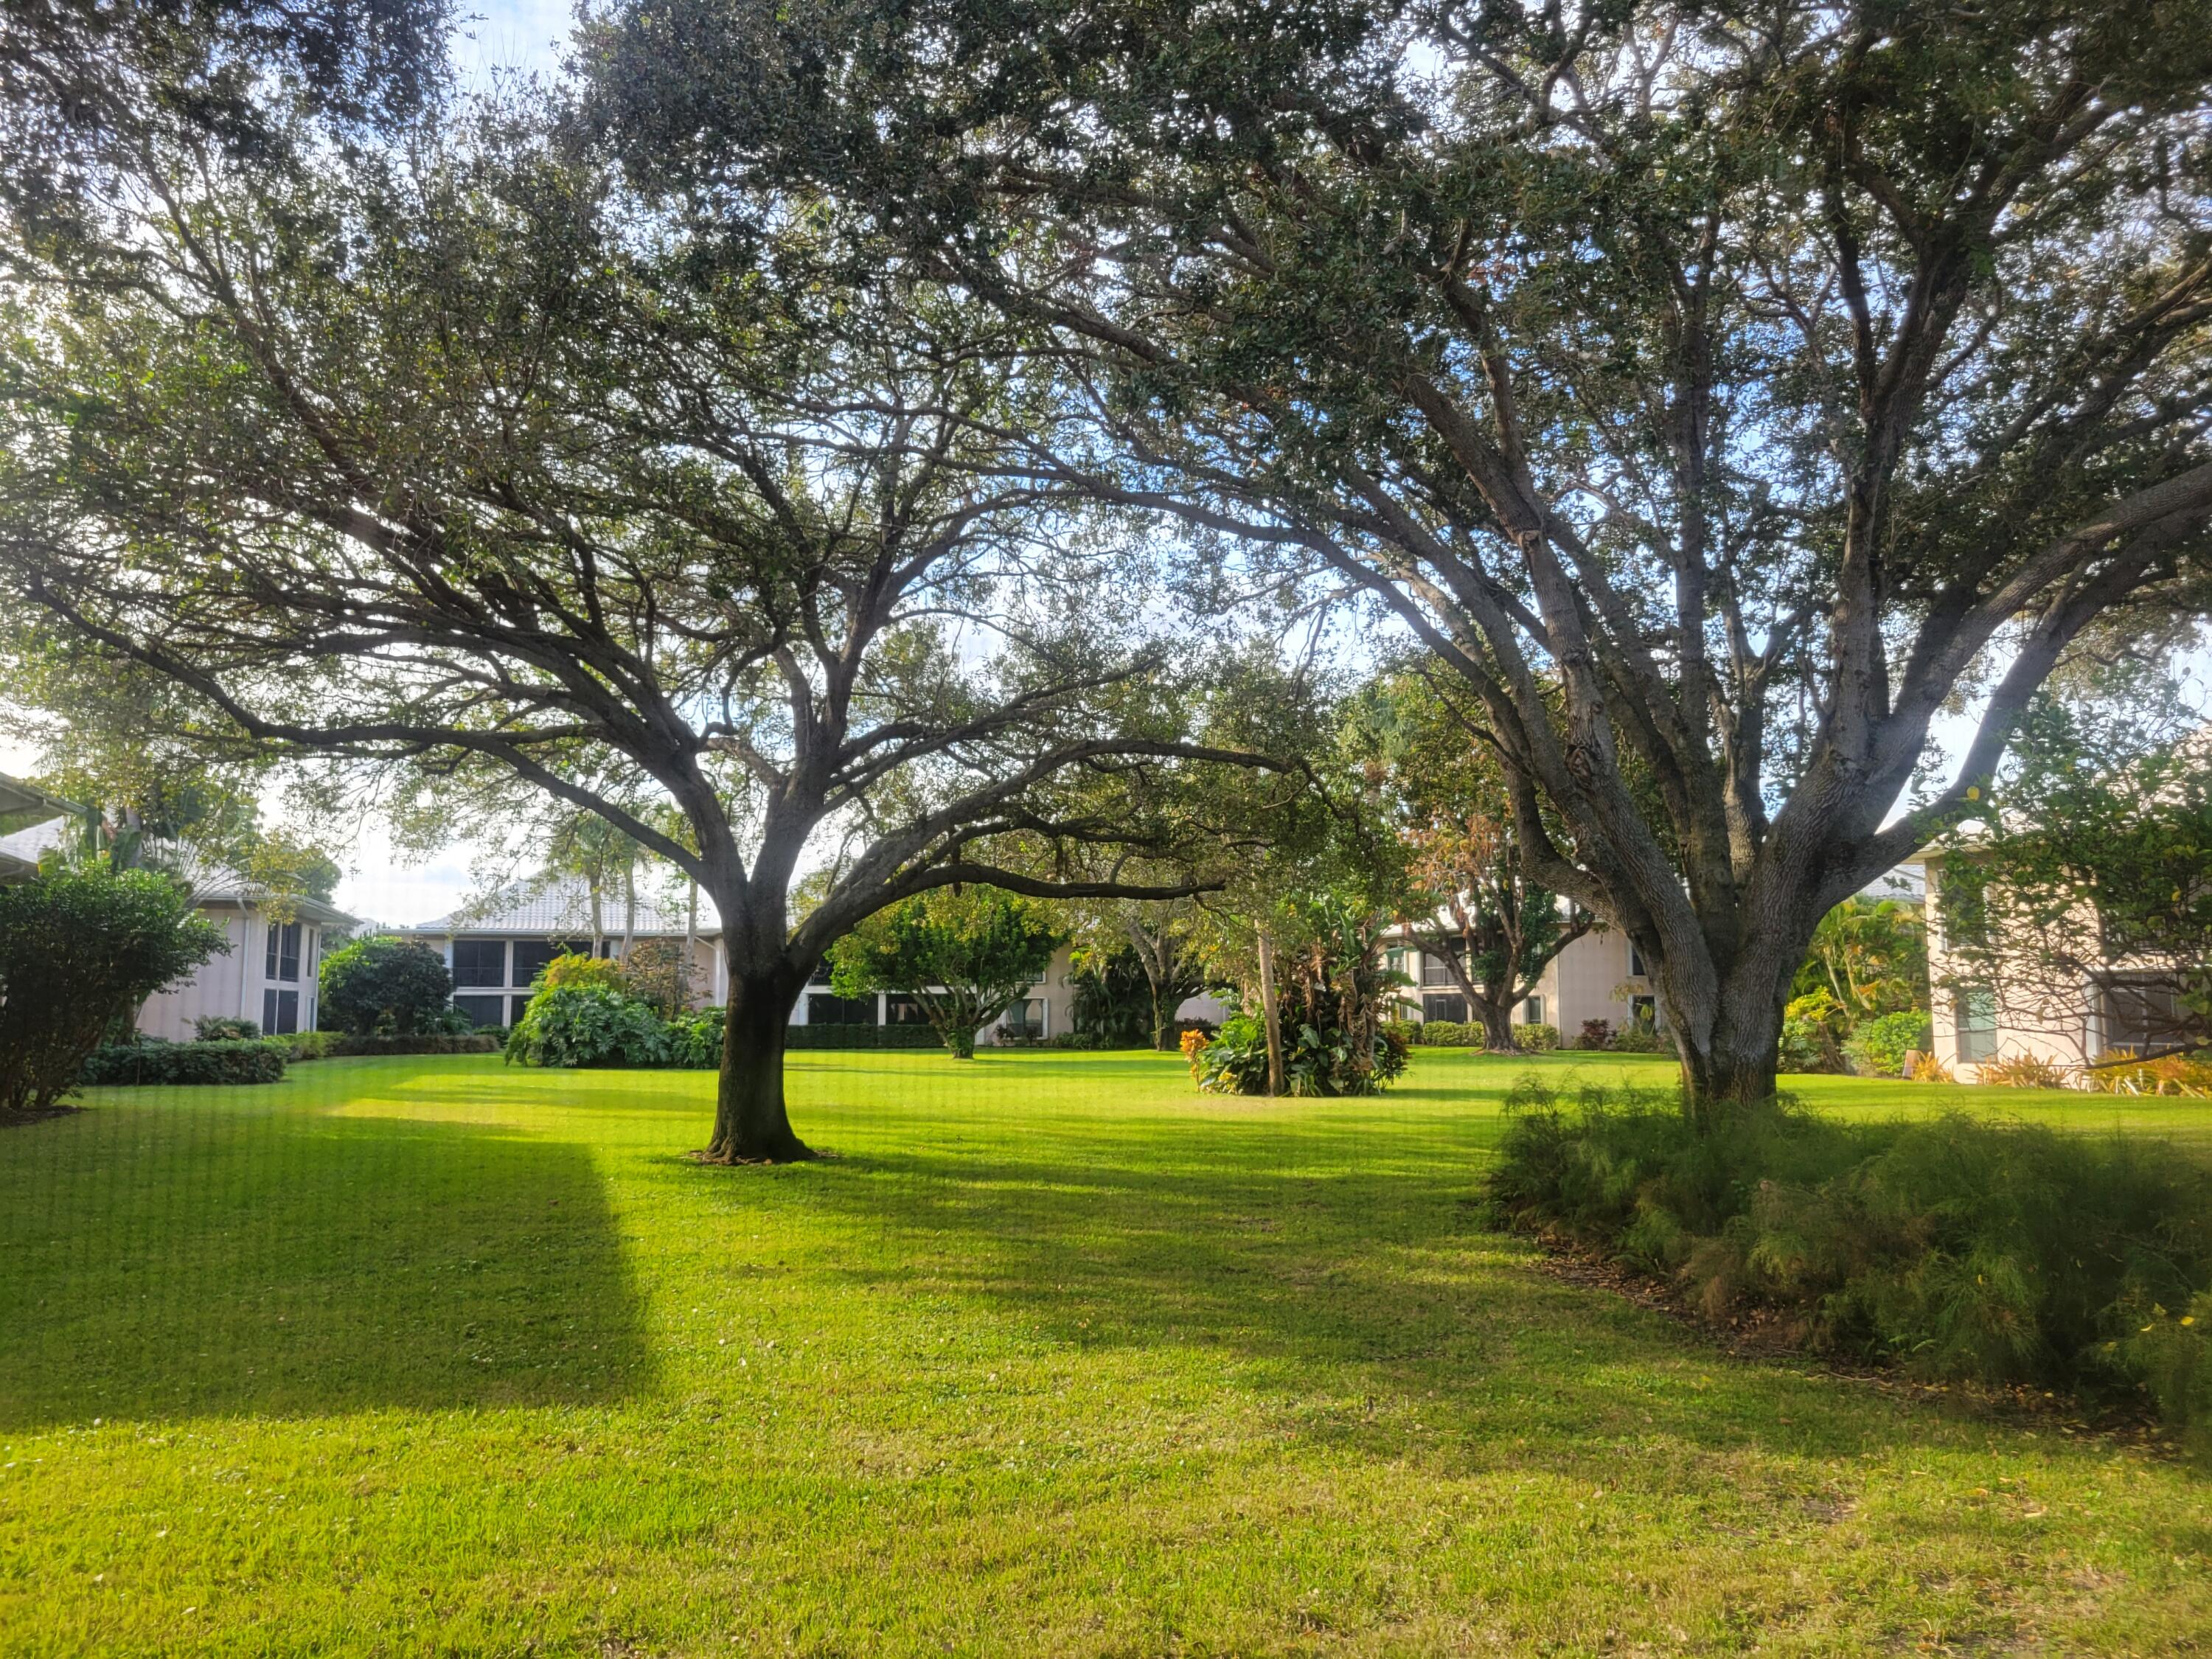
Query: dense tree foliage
{"points": [[1718, 390], [963, 955], [1469, 901], [384, 985], [2083, 901], [81, 945]]}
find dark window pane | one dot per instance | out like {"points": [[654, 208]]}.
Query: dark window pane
{"points": [[1435, 970], [480, 962], [288, 953], [820, 975], [268, 1010], [900, 1009], [288, 1014], [268, 957], [1451, 1008], [482, 1011], [515, 1008], [823, 1010], [1024, 1019]]}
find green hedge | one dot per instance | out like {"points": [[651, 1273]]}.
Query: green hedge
{"points": [[2000, 1253], [861, 1036], [335, 1045], [228, 1061]]}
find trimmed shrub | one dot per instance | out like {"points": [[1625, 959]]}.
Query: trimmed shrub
{"points": [[861, 1036], [1878, 1047], [336, 1045], [1537, 1037], [1956, 1248], [221, 1028], [1447, 1034], [1596, 1034], [1635, 1039], [385, 985], [217, 1060], [571, 1025], [80, 948]]}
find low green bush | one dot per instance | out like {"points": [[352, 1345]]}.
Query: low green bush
{"points": [[1640, 1040], [594, 1024], [221, 1028], [337, 1045], [1956, 1248], [694, 1039], [222, 1060], [1537, 1037], [1878, 1047], [905, 1036], [1235, 1062], [1448, 1034]]}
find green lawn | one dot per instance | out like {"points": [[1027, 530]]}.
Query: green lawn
{"points": [[1055, 1357]]}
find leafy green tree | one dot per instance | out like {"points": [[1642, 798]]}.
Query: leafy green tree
{"points": [[1718, 391], [1149, 952], [81, 945], [495, 473], [1469, 899], [384, 985], [964, 956]]}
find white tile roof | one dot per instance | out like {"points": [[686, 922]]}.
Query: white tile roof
{"points": [[561, 906], [211, 883]]}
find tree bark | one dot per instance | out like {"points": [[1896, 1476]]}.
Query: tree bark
{"points": [[1497, 1019], [751, 1125], [1272, 1015]]}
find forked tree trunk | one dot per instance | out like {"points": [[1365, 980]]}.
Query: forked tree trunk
{"points": [[1728, 1046], [1497, 1019], [751, 1125]]}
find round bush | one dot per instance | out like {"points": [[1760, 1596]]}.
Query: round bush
{"points": [[385, 985]]}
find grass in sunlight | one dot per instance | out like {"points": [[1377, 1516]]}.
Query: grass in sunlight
{"points": [[1054, 1356]]}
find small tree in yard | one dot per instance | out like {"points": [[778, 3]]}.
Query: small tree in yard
{"points": [[2084, 902], [81, 947], [1469, 899], [384, 985], [964, 956]]}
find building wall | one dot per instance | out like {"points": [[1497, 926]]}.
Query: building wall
{"points": [[229, 985], [1588, 979], [2029, 1021]]}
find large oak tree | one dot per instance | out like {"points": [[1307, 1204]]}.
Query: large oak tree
{"points": [[448, 453], [1721, 389]]}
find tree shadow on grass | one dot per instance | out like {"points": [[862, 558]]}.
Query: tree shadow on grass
{"points": [[170, 1257], [1366, 1306]]}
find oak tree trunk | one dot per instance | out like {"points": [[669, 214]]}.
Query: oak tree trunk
{"points": [[1497, 1019], [750, 1126]]}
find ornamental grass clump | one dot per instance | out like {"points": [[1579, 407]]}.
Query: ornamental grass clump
{"points": [[1956, 1249]]}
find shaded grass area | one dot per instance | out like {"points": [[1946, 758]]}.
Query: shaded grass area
{"points": [[1052, 1355]]}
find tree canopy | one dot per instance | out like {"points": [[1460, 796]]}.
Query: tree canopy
{"points": [[453, 457], [1719, 391]]}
